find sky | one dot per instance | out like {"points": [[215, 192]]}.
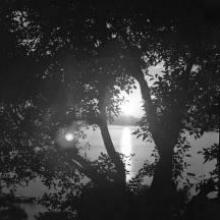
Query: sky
{"points": [[132, 105], [133, 102]]}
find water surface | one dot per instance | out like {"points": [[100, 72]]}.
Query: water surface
{"points": [[126, 143]]}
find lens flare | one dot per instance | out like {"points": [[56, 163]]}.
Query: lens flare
{"points": [[69, 137]]}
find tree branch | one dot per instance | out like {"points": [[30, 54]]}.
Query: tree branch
{"points": [[84, 166]]}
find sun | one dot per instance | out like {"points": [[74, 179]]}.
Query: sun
{"points": [[132, 104], [128, 108]]}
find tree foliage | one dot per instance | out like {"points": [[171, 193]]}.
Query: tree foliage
{"points": [[64, 62]]}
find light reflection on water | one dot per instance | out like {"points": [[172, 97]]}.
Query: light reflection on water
{"points": [[127, 144], [126, 149]]}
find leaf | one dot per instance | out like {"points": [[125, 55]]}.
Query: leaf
{"points": [[191, 174]]}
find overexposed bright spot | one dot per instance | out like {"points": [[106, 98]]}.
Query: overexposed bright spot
{"points": [[69, 137], [66, 137], [128, 108], [132, 104]]}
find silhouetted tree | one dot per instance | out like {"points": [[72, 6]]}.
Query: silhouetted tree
{"points": [[120, 42]]}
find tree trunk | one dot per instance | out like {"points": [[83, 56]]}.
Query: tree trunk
{"points": [[218, 168], [115, 157], [162, 184], [102, 122], [165, 141], [162, 197], [85, 167], [148, 105]]}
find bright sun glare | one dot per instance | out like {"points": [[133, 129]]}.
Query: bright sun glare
{"points": [[69, 137], [132, 104], [128, 108]]}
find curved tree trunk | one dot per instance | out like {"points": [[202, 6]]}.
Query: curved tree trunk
{"points": [[113, 154], [120, 179], [162, 181], [162, 188], [84, 166]]}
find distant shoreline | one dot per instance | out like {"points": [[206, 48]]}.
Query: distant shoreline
{"points": [[126, 121]]}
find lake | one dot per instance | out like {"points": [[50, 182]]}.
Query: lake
{"points": [[127, 144], [124, 142]]}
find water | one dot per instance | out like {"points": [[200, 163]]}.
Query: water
{"points": [[124, 142], [127, 144]]}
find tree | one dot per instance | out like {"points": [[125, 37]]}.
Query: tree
{"points": [[141, 39], [133, 37]]}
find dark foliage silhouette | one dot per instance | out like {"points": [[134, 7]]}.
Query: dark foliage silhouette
{"points": [[65, 63]]}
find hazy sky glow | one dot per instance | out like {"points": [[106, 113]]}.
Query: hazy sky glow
{"points": [[132, 105]]}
